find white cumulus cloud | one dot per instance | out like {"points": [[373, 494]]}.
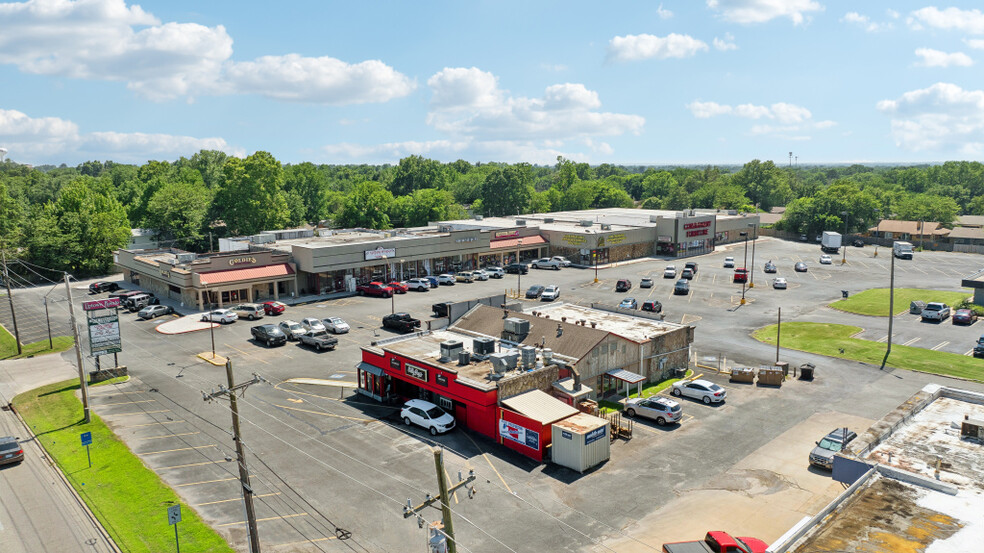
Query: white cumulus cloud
{"points": [[949, 19], [108, 40], [644, 46], [936, 58], [663, 13], [725, 44], [41, 140], [760, 11], [975, 43], [791, 118], [854, 18], [942, 117]]}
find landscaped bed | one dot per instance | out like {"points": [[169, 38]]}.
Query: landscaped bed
{"points": [[875, 301]]}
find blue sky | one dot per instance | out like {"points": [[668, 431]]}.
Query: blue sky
{"points": [[691, 82]]}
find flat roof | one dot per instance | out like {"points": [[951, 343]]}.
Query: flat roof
{"points": [[888, 514], [637, 329], [344, 238], [620, 218]]}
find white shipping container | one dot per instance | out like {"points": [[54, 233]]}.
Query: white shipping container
{"points": [[580, 442]]}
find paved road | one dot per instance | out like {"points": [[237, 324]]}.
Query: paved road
{"points": [[356, 465], [38, 511]]}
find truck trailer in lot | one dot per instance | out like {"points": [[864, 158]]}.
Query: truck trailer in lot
{"points": [[902, 250], [830, 242]]}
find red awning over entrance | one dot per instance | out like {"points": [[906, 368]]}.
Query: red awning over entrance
{"points": [[513, 242], [251, 273]]}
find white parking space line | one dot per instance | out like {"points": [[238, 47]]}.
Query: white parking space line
{"points": [[262, 519], [969, 353], [128, 402], [167, 436], [912, 341], [939, 345], [883, 338]]}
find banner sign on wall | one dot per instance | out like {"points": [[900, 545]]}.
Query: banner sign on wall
{"points": [[518, 434], [380, 253]]}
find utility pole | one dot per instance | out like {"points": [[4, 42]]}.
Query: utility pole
{"points": [[10, 298], [751, 268], [444, 496], [778, 333], [230, 392], [78, 354], [891, 309]]}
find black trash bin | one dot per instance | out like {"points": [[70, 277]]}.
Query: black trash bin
{"points": [[806, 371], [843, 293], [679, 373]]}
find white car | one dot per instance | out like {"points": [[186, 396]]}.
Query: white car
{"points": [[312, 324], [222, 316], [779, 283], [445, 279], [292, 329], [546, 263], [564, 262], [704, 390], [480, 275], [670, 271], [550, 293], [729, 263], [426, 414], [825, 259], [495, 272], [336, 325], [419, 284]]}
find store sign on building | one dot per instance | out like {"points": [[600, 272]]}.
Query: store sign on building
{"points": [[441, 379], [414, 371], [507, 234], [165, 273], [108, 303], [518, 434], [566, 435], [616, 238], [380, 253], [469, 239], [104, 334], [394, 363], [697, 228], [574, 239], [241, 261]]}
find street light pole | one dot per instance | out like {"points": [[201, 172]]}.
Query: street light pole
{"points": [[594, 254], [844, 245], [519, 268], [751, 268], [744, 266], [891, 310]]}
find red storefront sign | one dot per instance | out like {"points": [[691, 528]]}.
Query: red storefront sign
{"points": [[697, 228], [108, 303]]}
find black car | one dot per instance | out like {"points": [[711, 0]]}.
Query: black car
{"points": [[100, 287], [517, 268], [10, 450], [652, 305], [269, 334], [770, 267], [979, 347], [403, 322], [692, 265], [535, 291], [858, 243], [623, 285], [682, 286]]}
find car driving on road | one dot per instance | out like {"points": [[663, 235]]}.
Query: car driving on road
{"points": [[427, 415], [10, 450], [100, 287], [660, 409], [704, 390]]}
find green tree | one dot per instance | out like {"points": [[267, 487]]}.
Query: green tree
{"points": [[927, 207], [508, 190], [252, 198], [424, 206], [367, 206], [177, 212], [10, 216], [678, 199], [311, 187], [416, 173], [765, 184]]}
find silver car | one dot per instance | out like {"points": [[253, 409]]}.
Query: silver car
{"points": [[292, 329], [704, 390], [152, 311], [660, 409], [312, 324]]}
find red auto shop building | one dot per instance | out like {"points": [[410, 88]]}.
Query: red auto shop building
{"points": [[493, 393]]}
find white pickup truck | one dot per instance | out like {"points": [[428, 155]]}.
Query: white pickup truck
{"points": [[546, 263], [935, 311]]}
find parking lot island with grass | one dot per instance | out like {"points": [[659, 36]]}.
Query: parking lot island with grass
{"points": [[875, 303]]}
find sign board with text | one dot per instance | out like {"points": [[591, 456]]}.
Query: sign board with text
{"points": [[519, 434], [104, 334], [380, 253], [86, 438], [108, 303]]}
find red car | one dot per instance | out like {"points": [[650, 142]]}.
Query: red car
{"points": [[964, 317], [398, 287], [374, 289], [273, 307], [741, 275]]}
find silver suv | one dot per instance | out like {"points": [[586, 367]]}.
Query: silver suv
{"points": [[251, 311], [823, 454]]}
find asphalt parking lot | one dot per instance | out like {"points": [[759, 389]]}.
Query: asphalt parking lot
{"points": [[348, 462]]}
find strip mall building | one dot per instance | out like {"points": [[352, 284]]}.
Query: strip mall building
{"points": [[276, 264]]}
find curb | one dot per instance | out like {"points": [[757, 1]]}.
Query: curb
{"points": [[78, 499]]}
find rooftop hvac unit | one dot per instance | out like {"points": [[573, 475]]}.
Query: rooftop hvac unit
{"points": [[483, 346], [972, 428], [520, 222], [185, 257], [515, 325], [444, 228], [606, 226], [450, 349], [586, 222], [500, 362], [263, 238], [512, 358], [547, 356], [479, 217], [464, 357], [528, 355], [732, 212], [548, 219]]}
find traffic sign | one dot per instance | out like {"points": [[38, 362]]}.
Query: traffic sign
{"points": [[86, 438], [174, 514]]}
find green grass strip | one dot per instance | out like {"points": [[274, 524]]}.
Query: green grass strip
{"points": [[8, 346], [875, 301], [829, 339], [129, 499], [648, 390]]}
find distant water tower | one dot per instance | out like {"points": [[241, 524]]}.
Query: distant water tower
{"points": [[3, 152]]}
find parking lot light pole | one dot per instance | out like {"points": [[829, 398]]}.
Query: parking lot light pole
{"points": [[594, 254], [745, 265], [519, 269], [844, 245], [891, 310], [751, 268]]}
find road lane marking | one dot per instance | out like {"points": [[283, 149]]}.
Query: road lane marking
{"points": [[912, 341], [262, 519], [192, 465], [489, 461], [314, 540], [178, 449], [939, 345], [168, 436], [233, 499]]}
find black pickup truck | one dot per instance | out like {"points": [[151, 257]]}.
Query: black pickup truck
{"points": [[319, 340], [401, 321], [441, 309]]}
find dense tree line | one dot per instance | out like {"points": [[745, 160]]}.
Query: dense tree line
{"points": [[72, 218]]}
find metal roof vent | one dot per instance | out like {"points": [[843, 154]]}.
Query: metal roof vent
{"points": [[586, 222], [606, 226], [520, 222]]}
